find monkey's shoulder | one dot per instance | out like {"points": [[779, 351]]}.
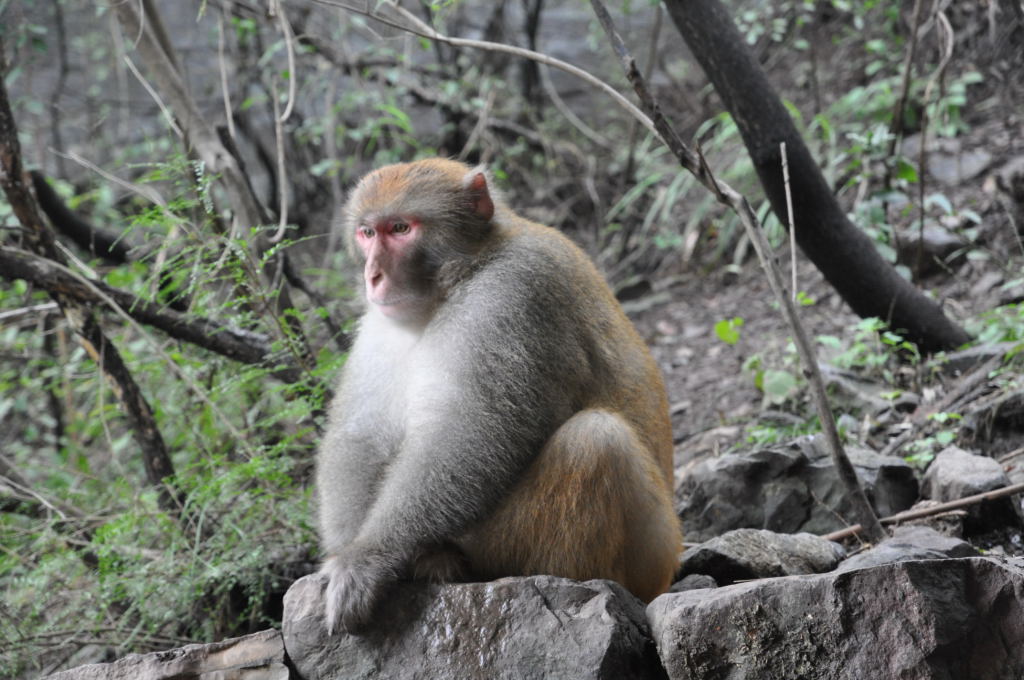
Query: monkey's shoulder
{"points": [[545, 266], [538, 297]]}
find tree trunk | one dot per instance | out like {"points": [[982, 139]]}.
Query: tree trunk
{"points": [[840, 250]]}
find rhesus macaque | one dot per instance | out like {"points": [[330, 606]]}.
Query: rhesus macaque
{"points": [[498, 414]]}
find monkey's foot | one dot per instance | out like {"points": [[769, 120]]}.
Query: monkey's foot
{"points": [[445, 563]]}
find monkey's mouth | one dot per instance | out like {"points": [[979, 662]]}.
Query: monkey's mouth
{"points": [[395, 306]]}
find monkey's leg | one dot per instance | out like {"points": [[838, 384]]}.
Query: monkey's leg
{"points": [[593, 505]]}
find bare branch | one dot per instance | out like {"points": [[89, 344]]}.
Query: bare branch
{"points": [[406, 21], [219, 161], [241, 345], [920, 513], [143, 425], [732, 199]]}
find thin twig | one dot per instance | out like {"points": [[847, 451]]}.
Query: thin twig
{"points": [[907, 515], [34, 311], [940, 71], [1007, 457], [289, 42], [896, 128], [480, 126], [789, 213], [570, 115], [145, 191], [225, 91], [156, 97], [282, 172], [731, 198], [412, 24]]}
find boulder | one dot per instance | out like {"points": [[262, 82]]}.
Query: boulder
{"points": [[956, 474], [259, 656], [910, 543], [757, 553], [534, 627], [926, 620], [787, 490]]}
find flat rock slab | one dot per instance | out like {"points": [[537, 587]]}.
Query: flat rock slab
{"points": [[916, 620], [259, 656], [535, 627], [758, 553]]}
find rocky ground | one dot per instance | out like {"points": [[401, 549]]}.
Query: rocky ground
{"points": [[907, 407]]}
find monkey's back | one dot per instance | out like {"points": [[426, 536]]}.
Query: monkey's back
{"points": [[586, 345]]}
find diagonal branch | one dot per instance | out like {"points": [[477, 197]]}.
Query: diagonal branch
{"points": [[238, 344], [733, 200], [13, 179], [156, 54]]}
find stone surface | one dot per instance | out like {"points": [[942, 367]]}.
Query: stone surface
{"points": [[757, 553], [948, 161], [851, 392], [934, 249], [259, 656], [918, 620], [956, 474], [535, 627], [787, 489], [910, 543], [964, 360], [693, 582]]}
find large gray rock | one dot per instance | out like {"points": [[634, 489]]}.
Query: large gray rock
{"points": [[956, 474], [924, 620], [259, 656], [536, 627], [787, 490], [757, 553], [910, 543]]}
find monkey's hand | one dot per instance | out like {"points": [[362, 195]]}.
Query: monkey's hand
{"points": [[358, 577]]}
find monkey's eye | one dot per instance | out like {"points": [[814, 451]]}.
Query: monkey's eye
{"points": [[399, 227], [366, 231]]}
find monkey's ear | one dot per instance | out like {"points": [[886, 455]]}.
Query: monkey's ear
{"points": [[480, 196]]}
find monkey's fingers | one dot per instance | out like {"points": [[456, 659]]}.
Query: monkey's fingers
{"points": [[357, 580]]}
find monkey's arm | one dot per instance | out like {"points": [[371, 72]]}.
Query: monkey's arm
{"points": [[475, 426], [347, 478], [361, 435]]}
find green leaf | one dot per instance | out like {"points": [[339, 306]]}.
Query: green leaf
{"points": [[830, 341], [906, 171], [778, 385], [728, 331], [804, 300]]}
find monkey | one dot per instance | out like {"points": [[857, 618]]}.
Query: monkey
{"points": [[498, 414]]}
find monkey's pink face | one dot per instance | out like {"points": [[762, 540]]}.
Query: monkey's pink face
{"points": [[388, 244]]}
